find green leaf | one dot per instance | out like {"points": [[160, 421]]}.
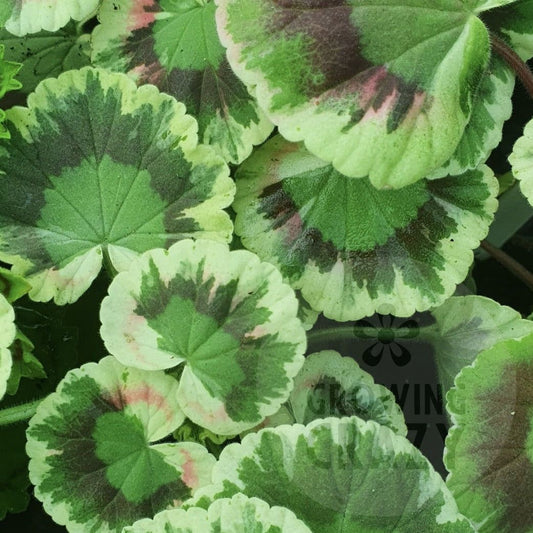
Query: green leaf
{"points": [[236, 515], [223, 313], [489, 449], [354, 250], [31, 16], [522, 161], [173, 44], [14, 480], [331, 385], [338, 475], [7, 336], [24, 363], [514, 23], [8, 71], [46, 54], [491, 108], [97, 168], [465, 326], [93, 457], [12, 286], [393, 108]]}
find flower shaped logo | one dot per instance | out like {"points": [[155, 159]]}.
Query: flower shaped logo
{"points": [[387, 331]]}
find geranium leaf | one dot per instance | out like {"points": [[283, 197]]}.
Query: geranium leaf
{"points": [[491, 108], [7, 336], [225, 314], [489, 449], [354, 250], [46, 54], [514, 23], [521, 161], [466, 325], [98, 168], [338, 475], [331, 385], [93, 460], [8, 71], [239, 514], [24, 363], [12, 286], [392, 109], [31, 16], [174, 45]]}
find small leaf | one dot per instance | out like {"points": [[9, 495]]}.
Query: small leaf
{"points": [[338, 475], [12, 286], [93, 460], [31, 16], [467, 325], [98, 168], [354, 250], [236, 515], [489, 449], [8, 71], [224, 314], [174, 45], [522, 161], [331, 385]]}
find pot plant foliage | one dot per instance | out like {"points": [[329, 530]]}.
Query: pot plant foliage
{"points": [[185, 186]]}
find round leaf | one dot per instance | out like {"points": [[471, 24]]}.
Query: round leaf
{"points": [[325, 74], [236, 515], [489, 449], [225, 314], [331, 385], [465, 326], [174, 45], [338, 475], [522, 161], [30, 16], [98, 168], [92, 460], [354, 250]]}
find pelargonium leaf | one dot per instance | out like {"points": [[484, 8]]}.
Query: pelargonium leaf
{"points": [[354, 250], [332, 385], [8, 71], [226, 315], [12, 286], [46, 54], [521, 161], [465, 326], [24, 363], [31, 16], [239, 514], [174, 45], [489, 449], [325, 75], [514, 23], [491, 108], [338, 475], [7, 336], [98, 168], [93, 457]]}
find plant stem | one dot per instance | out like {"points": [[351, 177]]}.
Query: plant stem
{"points": [[18, 413], [509, 263], [514, 61], [362, 332]]}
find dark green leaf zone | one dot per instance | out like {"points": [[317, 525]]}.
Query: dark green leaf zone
{"points": [[195, 320], [93, 471]]}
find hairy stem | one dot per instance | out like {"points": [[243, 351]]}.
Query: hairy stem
{"points": [[362, 332], [509, 263], [18, 413], [514, 61]]}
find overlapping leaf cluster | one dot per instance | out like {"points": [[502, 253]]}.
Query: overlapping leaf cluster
{"points": [[144, 145]]}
